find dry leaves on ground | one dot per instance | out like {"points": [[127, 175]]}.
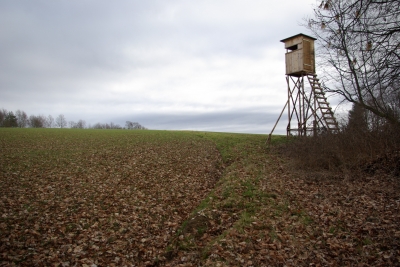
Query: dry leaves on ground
{"points": [[161, 199], [265, 214], [115, 202]]}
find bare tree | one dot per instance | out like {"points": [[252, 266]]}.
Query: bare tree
{"points": [[114, 126], [134, 126], [37, 121], [360, 49], [22, 118], [61, 121], [97, 126], [81, 124], [106, 126], [50, 122]]}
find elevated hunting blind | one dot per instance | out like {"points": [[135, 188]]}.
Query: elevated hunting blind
{"points": [[300, 56], [308, 109]]}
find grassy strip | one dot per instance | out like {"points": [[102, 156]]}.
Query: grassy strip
{"points": [[233, 205]]}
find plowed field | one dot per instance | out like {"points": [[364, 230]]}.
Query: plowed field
{"points": [[157, 198]]}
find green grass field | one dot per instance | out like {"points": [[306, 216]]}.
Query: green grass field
{"points": [[177, 198]]}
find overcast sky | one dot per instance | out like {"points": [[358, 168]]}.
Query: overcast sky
{"points": [[169, 64]]}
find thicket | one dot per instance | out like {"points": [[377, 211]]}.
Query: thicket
{"points": [[365, 143]]}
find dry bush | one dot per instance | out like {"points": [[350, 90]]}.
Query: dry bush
{"points": [[353, 149]]}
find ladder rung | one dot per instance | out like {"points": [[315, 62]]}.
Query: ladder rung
{"points": [[324, 103]]}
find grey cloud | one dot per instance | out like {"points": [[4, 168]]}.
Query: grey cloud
{"points": [[91, 59]]}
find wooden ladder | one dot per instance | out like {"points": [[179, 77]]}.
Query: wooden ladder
{"points": [[328, 117]]}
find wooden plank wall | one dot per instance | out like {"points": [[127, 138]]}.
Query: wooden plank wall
{"points": [[302, 58]]}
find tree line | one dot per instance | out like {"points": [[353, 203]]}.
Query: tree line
{"points": [[20, 119]]}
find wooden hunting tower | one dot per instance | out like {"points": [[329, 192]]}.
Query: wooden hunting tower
{"points": [[309, 112], [300, 56]]}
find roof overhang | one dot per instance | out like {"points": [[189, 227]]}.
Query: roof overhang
{"points": [[297, 35]]}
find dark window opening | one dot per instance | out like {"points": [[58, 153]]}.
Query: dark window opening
{"points": [[293, 47]]}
